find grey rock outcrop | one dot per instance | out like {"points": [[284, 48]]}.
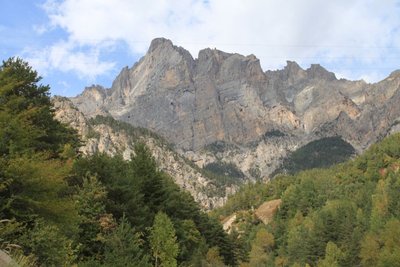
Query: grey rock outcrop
{"points": [[227, 97], [103, 138]]}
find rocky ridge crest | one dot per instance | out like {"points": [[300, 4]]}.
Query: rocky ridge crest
{"points": [[226, 98]]}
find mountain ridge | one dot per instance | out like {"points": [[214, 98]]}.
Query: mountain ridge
{"points": [[227, 97]]}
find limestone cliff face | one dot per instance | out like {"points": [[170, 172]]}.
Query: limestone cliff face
{"points": [[190, 102], [219, 96], [227, 97], [103, 138]]}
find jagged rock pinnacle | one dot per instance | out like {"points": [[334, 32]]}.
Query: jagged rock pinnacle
{"points": [[227, 97]]}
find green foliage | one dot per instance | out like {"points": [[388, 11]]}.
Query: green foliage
{"points": [[219, 147], [163, 241], [333, 256], [216, 236], [26, 118], [224, 169], [38, 187], [90, 199], [261, 248], [21, 260], [252, 195], [346, 215], [60, 209], [383, 247], [321, 153], [223, 174], [190, 240], [213, 258], [119, 126], [123, 247], [36, 154], [273, 133], [92, 133], [255, 172], [138, 190], [33, 170], [49, 245], [10, 231]]}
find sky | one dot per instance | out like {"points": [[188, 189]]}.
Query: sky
{"points": [[76, 43]]}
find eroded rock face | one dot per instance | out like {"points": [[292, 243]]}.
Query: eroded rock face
{"points": [[219, 96], [104, 139], [227, 97]]}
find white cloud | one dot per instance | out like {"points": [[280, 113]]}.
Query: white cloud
{"points": [[341, 32], [64, 56]]}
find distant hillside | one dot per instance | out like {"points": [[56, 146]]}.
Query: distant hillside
{"points": [[345, 215], [320, 153]]}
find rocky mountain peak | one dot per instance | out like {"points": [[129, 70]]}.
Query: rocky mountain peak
{"points": [[160, 43], [228, 97], [316, 71], [292, 72], [225, 66], [162, 48], [292, 67], [208, 53], [395, 74], [91, 100]]}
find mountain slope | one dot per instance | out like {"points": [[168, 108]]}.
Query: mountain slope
{"points": [[228, 98], [346, 215], [106, 135]]}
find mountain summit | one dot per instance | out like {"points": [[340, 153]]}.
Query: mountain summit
{"points": [[227, 98]]}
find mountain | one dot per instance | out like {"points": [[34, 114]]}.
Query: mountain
{"points": [[223, 109], [106, 135]]}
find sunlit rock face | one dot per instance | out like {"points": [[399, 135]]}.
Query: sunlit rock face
{"points": [[223, 97]]}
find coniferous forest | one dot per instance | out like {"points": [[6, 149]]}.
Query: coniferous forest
{"points": [[58, 208], [346, 215]]}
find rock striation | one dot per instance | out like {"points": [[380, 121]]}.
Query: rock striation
{"points": [[228, 97], [260, 116], [104, 138]]}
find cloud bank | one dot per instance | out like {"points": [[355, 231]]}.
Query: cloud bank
{"points": [[354, 37]]}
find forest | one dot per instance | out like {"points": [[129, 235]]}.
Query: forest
{"points": [[345, 215], [59, 208]]}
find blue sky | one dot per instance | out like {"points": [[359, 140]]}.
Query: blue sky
{"points": [[77, 43]]}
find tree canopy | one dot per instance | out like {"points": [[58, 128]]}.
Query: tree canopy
{"points": [[345, 215]]}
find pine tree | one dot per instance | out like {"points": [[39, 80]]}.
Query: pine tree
{"points": [[261, 247], [90, 204], [333, 256], [123, 247], [32, 176], [144, 168], [33, 167], [26, 116], [213, 258], [48, 244]]}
